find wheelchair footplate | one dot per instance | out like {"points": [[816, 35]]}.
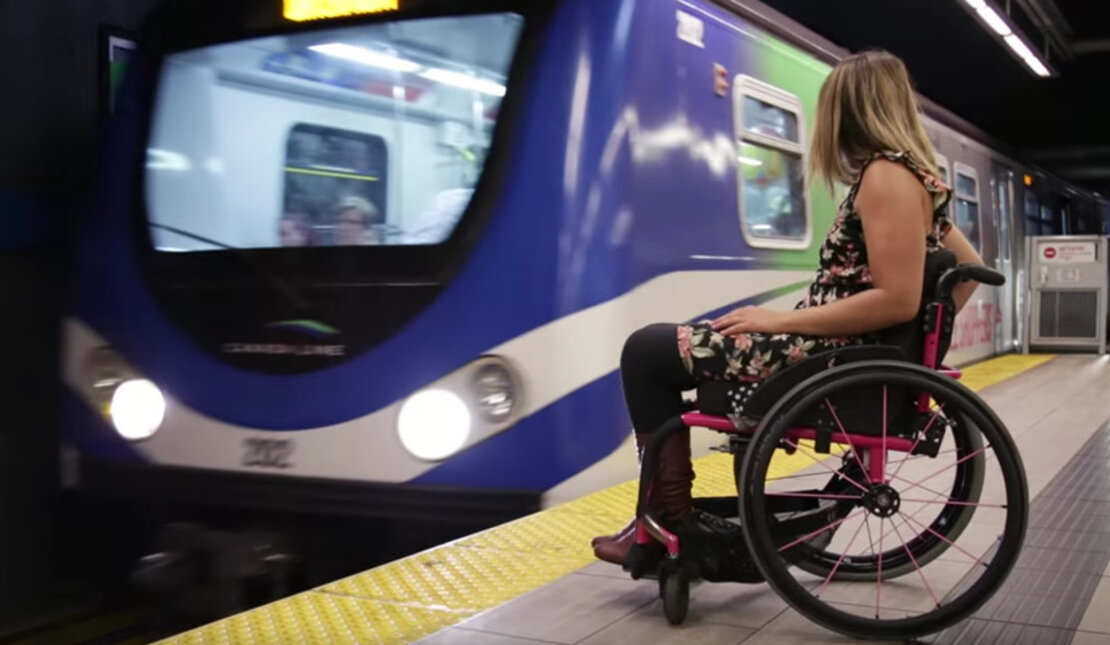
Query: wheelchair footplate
{"points": [[717, 550]]}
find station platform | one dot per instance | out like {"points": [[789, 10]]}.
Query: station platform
{"points": [[535, 580]]}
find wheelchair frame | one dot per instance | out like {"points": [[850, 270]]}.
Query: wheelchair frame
{"points": [[936, 322]]}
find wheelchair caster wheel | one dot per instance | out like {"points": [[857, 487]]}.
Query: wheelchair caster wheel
{"points": [[674, 588]]}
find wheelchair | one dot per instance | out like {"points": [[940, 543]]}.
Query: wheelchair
{"points": [[859, 471]]}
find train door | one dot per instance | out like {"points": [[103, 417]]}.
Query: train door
{"points": [[1009, 231]]}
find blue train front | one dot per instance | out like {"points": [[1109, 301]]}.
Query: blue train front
{"points": [[384, 265]]}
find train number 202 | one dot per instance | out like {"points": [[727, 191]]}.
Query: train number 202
{"points": [[268, 453]]}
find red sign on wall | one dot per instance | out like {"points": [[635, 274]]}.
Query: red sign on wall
{"points": [[1064, 252]]}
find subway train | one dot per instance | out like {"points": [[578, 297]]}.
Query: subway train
{"points": [[382, 265]]}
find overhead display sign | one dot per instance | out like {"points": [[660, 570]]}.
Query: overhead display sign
{"points": [[1067, 252], [301, 10]]}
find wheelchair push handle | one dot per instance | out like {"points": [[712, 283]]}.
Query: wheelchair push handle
{"points": [[965, 272]]}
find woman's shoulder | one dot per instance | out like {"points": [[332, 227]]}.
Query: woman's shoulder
{"points": [[898, 167], [889, 170]]}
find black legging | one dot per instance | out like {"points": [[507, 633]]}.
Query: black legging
{"points": [[654, 376]]}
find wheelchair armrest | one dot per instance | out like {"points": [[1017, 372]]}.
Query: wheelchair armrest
{"points": [[965, 272]]}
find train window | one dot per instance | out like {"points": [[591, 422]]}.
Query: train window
{"points": [[967, 203], [1032, 208], [373, 134], [1032, 205], [335, 183], [772, 180], [942, 167], [763, 118], [1002, 180], [966, 185]]}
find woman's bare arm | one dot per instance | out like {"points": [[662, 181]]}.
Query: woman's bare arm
{"points": [[956, 242], [896, 212]]}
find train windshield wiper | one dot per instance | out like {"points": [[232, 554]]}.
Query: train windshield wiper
{"points": [[277, 282], [199, 238]]}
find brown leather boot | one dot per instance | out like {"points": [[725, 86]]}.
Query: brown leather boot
{"points": [[624, 534], [629, 529], [670, 496], [671, 499]]}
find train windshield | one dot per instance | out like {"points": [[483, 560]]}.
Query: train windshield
{"points": [[359, 136]]}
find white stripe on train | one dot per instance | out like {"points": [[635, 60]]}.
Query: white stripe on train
{"points": [[553, 361]]}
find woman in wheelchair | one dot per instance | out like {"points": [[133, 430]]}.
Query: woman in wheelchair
{"points": [[868, 135]]}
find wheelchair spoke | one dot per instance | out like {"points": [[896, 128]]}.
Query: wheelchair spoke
{"points": [[870, 539], [922, 487], [821, 462], [801, 476], [976, 560], [959, 461], [840, 560], [920, 436], [920, 457], [816, 495], [879, 586], [882, 472], [920, 572], [829, 527], [953, 502], [899, 462], [848, 438]]}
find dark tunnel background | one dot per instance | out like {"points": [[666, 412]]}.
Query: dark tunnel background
{"points": [[51, 126]]}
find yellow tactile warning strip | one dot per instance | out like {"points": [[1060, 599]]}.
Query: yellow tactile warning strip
{"points": [[983, 375], [408, 599]]}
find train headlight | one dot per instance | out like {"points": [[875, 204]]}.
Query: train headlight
{"points": [[137, 409], [434, 424], [494, 392]]}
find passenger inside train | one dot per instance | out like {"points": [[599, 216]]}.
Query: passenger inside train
{"points": [[295, 229], [370, 168], [869, 136], [357, 222]]}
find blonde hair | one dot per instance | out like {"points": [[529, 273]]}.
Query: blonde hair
{"points": [[867, 105], [366, 208]]}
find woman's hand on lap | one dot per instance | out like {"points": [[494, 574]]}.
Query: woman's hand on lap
{"points": [[751, 319]]}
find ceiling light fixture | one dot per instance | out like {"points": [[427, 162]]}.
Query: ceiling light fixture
{"points": [[1009, 36], [366, 57]]}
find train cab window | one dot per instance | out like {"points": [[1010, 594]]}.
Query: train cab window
{"points": [[770, 131], [967, 203], [363, 135]]}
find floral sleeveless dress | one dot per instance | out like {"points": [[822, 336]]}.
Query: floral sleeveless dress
{"points": [[751, 358]]}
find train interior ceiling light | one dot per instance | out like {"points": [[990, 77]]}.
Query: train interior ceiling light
{"points": [[392, 63], [1003, 29]]}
